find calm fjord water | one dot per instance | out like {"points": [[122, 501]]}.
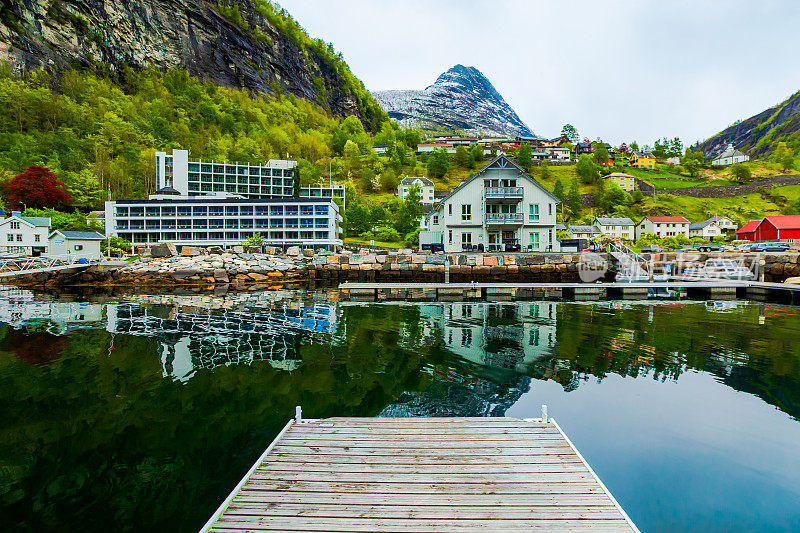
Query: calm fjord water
{"points": [[144, 411]]}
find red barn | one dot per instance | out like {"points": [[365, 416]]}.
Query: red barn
{"points": [[778, 228], [748, 231]]}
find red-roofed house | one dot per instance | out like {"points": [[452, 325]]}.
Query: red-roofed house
{"points": [[778, 228], [748, 231], [663, 226]]}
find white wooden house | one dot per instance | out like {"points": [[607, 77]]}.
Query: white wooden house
{"points": [[730, 156], [500, 208], [26, 235], [663, 226], [707, 230], [619, 227], [425, 188], [75, 244]]}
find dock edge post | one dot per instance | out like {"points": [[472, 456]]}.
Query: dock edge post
{"points": [[298, 414], [544, 414]]}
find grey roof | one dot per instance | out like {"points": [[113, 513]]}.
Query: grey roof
{"points": [[560, 226], [729, 152], [614, 221], [409, 180], [37, 221], [167, 190], [85, 235], [510, 164], [719, 219], [701, 225], [583, 229]]}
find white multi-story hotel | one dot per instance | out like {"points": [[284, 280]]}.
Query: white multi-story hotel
{"points": [[500, 208], [225, 221], [274, 179], [332, 190]]}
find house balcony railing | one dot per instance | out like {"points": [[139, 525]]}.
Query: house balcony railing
{"points": [[503, 192], [503, 218]]}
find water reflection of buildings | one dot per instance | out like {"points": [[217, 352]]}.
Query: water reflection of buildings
{"points": [[192, 331], [512, 336], [191, 338]]}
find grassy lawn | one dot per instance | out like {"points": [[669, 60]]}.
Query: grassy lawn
{"points": [[739, 208], [357, 241]]}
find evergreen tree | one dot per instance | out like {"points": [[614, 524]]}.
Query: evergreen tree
{"points": [[438, 163], [558, 190], [544, 169], [570, 133], [574, 199]]}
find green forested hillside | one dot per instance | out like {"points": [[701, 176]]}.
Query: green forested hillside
{"points": [[93, 132]]}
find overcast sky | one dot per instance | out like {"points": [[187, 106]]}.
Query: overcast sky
{"points": [[622, 71]]}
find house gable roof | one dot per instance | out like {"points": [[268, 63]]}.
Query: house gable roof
{"points": [[667, 220], [409, 180], [784, 222], [82, 235], [614, 221], [500, 162], [750, 227], [701, 225]]}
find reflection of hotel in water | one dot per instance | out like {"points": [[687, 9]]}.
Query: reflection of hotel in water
{"points": [[193, 331], [193, 338], [503, 335]]}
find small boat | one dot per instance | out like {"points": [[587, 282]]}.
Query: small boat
{"points": [[719, 269]]}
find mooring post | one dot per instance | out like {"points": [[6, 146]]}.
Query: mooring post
{"points": [[298, 414], [446, 271], [544, 413]]}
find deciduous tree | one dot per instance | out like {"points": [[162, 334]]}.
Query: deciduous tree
{"points": [[525, 156], [37, 187], [570, 133]]}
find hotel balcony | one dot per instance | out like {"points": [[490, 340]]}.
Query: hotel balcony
{"points": [[503, 194], [503, 219]]}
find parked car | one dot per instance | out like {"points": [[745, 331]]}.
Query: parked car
{"points": [[770, 247], [710, 248], [652, 249]]}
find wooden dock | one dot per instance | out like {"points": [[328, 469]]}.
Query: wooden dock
{"points": [[420, 475]]}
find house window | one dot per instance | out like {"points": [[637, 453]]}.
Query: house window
{"points": [[435, 220], [10, 237], [78, 247], [450, 236], [533, 213], [466, 238], [549, 209], [466, 212], [534, 240], [450, 209], [37, 238], [19, 237], [14, 225]]}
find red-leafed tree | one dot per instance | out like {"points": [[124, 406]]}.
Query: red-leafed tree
{"points": [[37, 188]]}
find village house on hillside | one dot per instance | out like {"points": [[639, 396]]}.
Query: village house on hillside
{"points": [[707, 229], [663, 226], [643, 160], [730, 156], [500, 208], [626, 182], [620, 227], [425, 185]]}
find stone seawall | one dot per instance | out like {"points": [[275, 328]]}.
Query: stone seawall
{"points": [[199, 267]]}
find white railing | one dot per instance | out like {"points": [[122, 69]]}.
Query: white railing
{"points": [[503, 192], [503, 218], [20, 263]]}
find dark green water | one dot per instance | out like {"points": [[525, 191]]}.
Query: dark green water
{"points": [[143, 412]]}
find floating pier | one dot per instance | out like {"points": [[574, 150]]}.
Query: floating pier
{"points": [[420, 475], [493, 292]]}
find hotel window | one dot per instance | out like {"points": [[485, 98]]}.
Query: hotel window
{"points": [[466, 213], [533, 213]]}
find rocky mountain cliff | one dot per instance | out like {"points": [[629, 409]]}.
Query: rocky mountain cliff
{"points": [[759, 134], [460, 99], [235, 43]]}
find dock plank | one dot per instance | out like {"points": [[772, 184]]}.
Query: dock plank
{"points": [[420, 475]]}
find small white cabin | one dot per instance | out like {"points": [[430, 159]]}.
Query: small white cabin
{"points": [[76, 244]]}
